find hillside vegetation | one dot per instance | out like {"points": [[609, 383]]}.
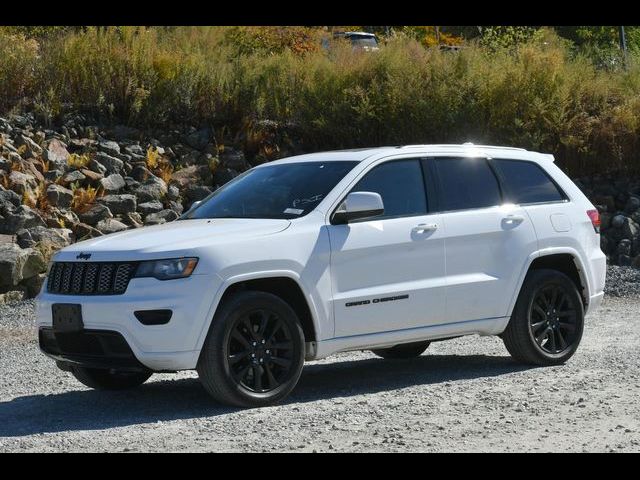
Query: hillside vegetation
{"points": [[538, 93]]}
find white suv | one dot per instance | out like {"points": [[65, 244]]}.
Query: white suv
{"points": [[385, 249]]}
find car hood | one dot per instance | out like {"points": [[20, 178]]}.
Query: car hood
{"points": [[176, 238]]}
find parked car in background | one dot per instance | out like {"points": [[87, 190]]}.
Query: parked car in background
{"points": [[365, 41]]}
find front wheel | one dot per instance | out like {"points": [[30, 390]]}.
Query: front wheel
{"points": [[102, 379], [548, 319], [254, 352], [406, 350]]}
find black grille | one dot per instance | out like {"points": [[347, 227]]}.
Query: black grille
{"points": [[95, 278]]}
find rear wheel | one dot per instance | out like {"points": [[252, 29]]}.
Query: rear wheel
{"points": [[102, 379], [406, 350], [254, 352], [548, 320]]}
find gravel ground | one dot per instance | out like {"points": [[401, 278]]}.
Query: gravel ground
{"points": [[461, 395]]}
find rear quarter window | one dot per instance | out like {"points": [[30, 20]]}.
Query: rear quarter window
{"points": [[527, 182]]}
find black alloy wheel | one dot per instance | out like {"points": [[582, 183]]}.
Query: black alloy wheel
{"points": [[259, 351], [552, 318], [254, 352], [547, 321]]}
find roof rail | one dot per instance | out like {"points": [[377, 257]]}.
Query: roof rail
{"points": [[466, 144]]}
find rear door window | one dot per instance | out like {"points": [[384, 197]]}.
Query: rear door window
{"points": [[466, 183], [527, 182]]}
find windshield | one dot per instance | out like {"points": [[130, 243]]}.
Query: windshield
{"points": [[362, 41], [277, 191]]}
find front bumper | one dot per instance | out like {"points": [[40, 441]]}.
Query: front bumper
{"points": [[172, 346], [89, 348]]}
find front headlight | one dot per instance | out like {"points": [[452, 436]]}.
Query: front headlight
{"points": [[167, 269]]}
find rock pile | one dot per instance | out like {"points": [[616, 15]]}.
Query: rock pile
{"points": [[76, 181], [618, 200]]}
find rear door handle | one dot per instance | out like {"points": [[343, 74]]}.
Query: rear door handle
{"points": [[425, 227]]}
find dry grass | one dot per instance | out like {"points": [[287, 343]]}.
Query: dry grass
{"points": [[164, 171], [153, 158], [78, 161], [84, 198], [539, 96], [36, 198]]}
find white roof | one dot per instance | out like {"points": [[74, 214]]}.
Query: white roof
{"points": [[360, 154]]}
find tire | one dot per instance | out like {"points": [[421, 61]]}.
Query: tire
{"points": [[254, 352], [102, 379], [406, 350], [545, 327]]}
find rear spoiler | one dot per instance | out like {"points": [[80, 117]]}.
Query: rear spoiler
{"points": [[547, 156]]}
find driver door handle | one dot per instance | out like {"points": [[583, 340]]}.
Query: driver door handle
{"points": [[514, 219], [425, 227]]}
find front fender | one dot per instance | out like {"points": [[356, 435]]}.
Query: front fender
{"points": [[320, 316]]}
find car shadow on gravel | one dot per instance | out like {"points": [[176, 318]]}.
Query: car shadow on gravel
{"points": [[167, 400]]}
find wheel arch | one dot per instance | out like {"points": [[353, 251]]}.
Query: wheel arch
{"points": [[567, 261], [286, 285]]}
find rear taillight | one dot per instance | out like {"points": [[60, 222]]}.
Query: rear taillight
{"points": [[595, 219]]}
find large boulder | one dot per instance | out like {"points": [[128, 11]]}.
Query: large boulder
{"points": [[110, 163], [9, 200], [32, 148], [76, 176], [19, 218], [197, 192], [22, 182], [56, 153], [192, 175], [13, 296], [93, 177], [199, 139], [61, 218], [140, 173], [97, 167], [113, 183], [84, 231], [59, 196], [160, 217], [153, 188], [95, 214], [110, 225], [133, 219], [109, 147], [150, 207], [34, 284], [54, 238], [135, 151], [119, 204], [173, 193], [17, 264]]}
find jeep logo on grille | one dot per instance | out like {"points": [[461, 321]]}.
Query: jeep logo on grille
{"points": [[83, 256]]}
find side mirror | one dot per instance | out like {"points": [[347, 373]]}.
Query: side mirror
{"points": [[358, 205]]}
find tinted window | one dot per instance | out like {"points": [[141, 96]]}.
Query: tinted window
{"points": [[466, 183], [526, 182], [401, 186], [275, 191]]}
